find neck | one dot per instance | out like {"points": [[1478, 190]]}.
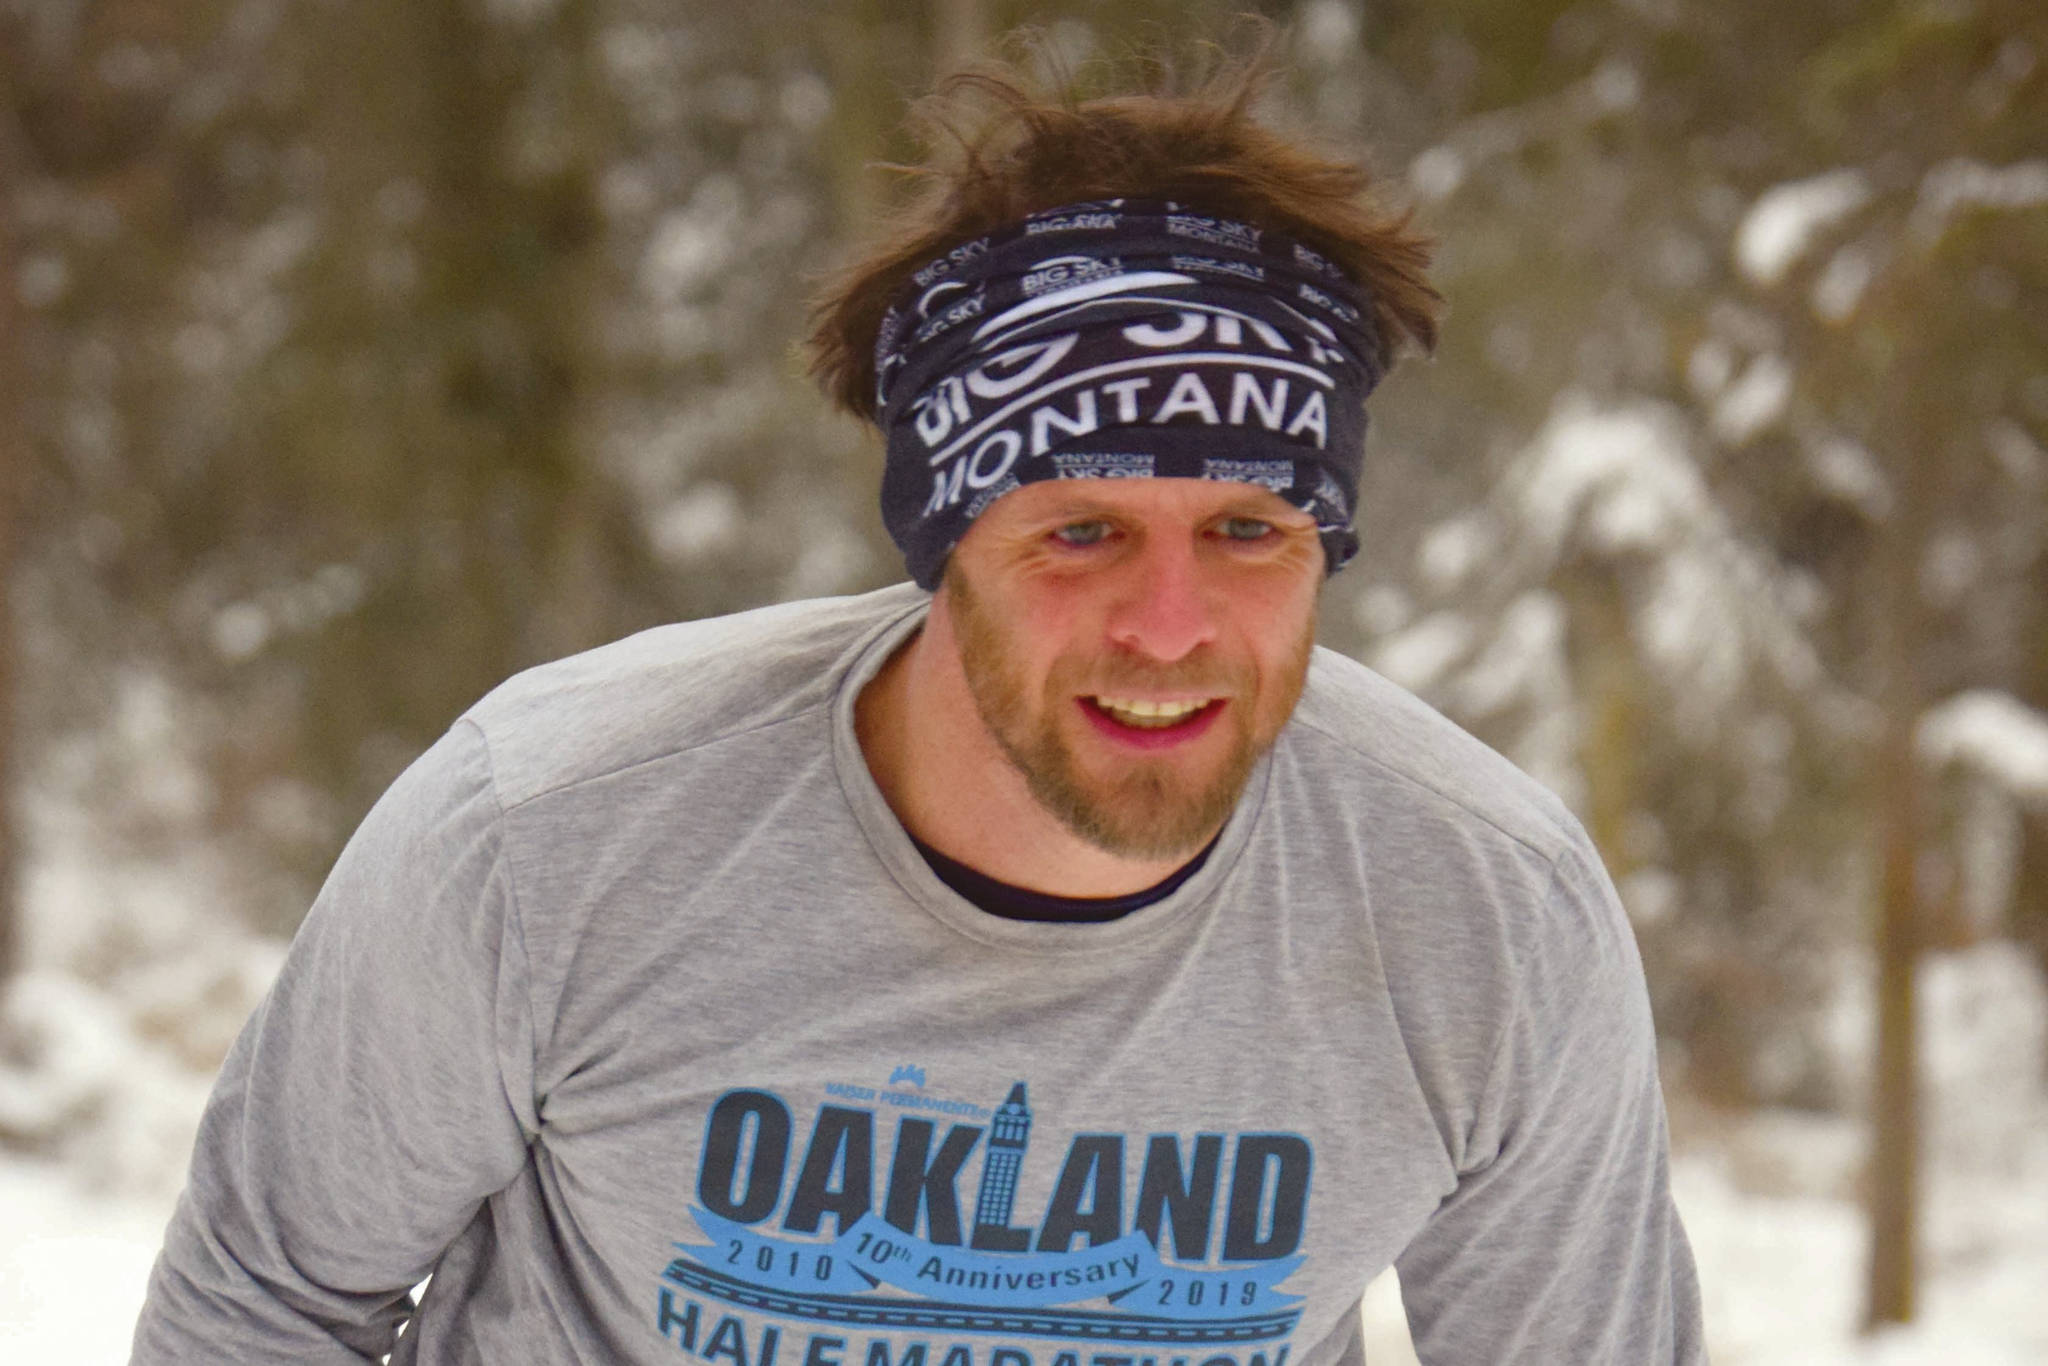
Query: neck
{"points": [[952, 786]]}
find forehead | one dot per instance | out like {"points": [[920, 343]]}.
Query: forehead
{"points": [[1193, 499]]}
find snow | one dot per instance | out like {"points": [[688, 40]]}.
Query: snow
{"points": [[1621, 481], [2019, 456], [73, 1264], [707, 520], [1988, 1040], [1328, 29], [691, 245], [1436, 173], [1518, 666], [1623, 470], [137, 984], [1526, 646], [1384, 608], [832, 558], [1992, 735], [240, 630], [1451, 550], [82, 1085], [1385, 1323], [1770, 1204], [1650, 895], [1780, 1281], [1842, 282], [1754, 402], [1961, 183], [1417, 657], [1784, 220], [1951, 565], [1710, 366], [1691, 627], [1844, 468], [1615, 87]]}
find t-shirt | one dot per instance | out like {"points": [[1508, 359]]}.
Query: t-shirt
{"points": [[632, 1015]]}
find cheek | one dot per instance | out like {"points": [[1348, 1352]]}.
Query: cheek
{"points": [[1279, 614], [1039, 652], [1281, 642], [1056, 622]]}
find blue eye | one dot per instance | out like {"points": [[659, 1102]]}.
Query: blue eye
{"points": [[1081, 533], [1245, 528]]}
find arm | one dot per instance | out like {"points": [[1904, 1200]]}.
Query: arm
{"points": [[379, 1094], [1560, 1243]]}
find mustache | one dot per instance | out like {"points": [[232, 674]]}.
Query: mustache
{"points": [[1210, 677]]}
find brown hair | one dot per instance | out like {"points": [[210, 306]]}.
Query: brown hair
{"points": [[998, 148]]}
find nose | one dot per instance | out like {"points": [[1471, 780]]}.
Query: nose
{"points": [[1163, 610]]}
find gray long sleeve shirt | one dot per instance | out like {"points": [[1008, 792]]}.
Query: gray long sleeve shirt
{"points": [[632, 1015]]}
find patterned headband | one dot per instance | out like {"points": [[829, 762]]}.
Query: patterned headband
{"points": [[1119, 339]]}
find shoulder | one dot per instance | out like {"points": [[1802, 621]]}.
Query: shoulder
{"points": [[1493, 923], [1465, 860], [675, 688], [1385, 747]]}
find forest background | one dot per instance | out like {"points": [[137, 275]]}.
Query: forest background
{"points": [[354, 356]]}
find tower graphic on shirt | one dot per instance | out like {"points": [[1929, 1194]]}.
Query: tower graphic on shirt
{"points": [[905, 1266], [1009, 1130]]}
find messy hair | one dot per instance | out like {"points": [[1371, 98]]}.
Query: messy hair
{"points": [[1001, 143]]}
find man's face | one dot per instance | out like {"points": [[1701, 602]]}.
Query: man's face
{"points": [[1134, 645]]}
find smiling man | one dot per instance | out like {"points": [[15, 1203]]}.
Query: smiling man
{"points": [[1054, 961], [1105, 664]]}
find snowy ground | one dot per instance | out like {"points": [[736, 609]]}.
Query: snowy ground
{"points": [[1769, 1201], [1781, 1277], [72, 1267]]}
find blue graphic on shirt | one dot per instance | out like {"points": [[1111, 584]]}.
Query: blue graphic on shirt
{"points": [[873, 1252], [830, 1230]]}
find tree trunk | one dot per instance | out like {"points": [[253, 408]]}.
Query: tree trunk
{"points": [[1894, 1172], [1895, 1104], [866, 108], [959, 31], [2028, 910], [13, 481]]}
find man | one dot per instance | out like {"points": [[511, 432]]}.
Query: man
{"points": [[1070, 966]]}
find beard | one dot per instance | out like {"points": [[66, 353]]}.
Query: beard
{"points": [[1148, 809]]}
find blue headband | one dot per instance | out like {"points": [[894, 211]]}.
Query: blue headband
{"points": [[1119, 339]]}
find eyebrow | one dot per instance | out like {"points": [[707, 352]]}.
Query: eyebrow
{"points": [[1079, 506]]}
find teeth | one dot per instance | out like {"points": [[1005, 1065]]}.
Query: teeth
{"points": [[1136, 712]]}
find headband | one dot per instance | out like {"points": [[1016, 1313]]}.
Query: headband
{"points": [[1120, 339]]}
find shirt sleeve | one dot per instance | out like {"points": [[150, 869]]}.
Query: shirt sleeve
{"points": [[1560, 1242], [379, 1094]]}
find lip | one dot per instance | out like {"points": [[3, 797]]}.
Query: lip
{"points": [[1152, 739]]}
